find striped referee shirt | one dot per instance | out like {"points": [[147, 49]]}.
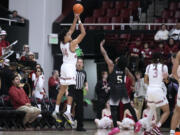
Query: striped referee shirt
{"points": [[81, 79]]}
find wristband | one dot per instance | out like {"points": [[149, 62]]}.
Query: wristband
{"points": [[79, 21]]}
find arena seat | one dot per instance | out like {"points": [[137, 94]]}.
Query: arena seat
{"points": [[111, 12], [120, 4], [107, 4], [165, 14], [173, 6], [134, 4], [177, 14], [98, 12], [107, 27], [178, 5]]}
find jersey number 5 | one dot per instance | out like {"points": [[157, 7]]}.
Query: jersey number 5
{"points": [[119, 79]]}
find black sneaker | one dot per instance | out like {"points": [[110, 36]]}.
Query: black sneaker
{"points": [[81, 129]]}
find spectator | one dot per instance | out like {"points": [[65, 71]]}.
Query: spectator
{"points": [[3, 42], [25, 53], [161, 49], [102, 92], [171, 47], [54, 84], [162, 34], [39, 91], [175, 33], [21, 101], [146, 53], [5, 75], [31, 56], [14, 16], [140, 92], [135, 50]]}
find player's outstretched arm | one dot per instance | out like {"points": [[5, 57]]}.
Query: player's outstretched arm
{"points": [[73, 26], [106, 57], [76, 41], [175, 67]]}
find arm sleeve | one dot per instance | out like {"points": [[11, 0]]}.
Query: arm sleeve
{"points": [[156, 37], [85, 80]]}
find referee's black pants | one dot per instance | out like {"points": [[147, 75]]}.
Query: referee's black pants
{"points": [[79, 109]]}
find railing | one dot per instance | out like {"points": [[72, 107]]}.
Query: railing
{"points": [[8, 20], [121, 24]]}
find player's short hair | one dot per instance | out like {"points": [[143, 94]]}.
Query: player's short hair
{"points": [[122, 62], [62, 33]]}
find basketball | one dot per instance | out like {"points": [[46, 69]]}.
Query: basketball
{"points": [[78, 8]]}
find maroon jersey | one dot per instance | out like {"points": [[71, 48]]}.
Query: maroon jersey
{"points": [[147, 53], [134, 49]]}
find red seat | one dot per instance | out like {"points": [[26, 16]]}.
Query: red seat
{"points": [[170, 20], [107, 27], [111, 13], [120, 4], [158, 20], [178, 5], [103, 20], [172, 6], [177, 15], [125, 15], [98, 12], [165, 14], [133, 4], [116, 20], [106, 4], [124, 37], [90, 20]]}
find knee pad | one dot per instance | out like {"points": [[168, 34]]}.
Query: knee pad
{"points": [[71, 90]]}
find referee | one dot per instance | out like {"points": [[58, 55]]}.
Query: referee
{"points": [[81, 82]]}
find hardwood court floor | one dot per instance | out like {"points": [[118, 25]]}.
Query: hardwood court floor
{"points": [[91, 130]]}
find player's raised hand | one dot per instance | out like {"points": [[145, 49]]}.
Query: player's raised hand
{"points": [[76, 16], [102, 42]]}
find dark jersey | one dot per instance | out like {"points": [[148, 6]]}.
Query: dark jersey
{"points": [[117, 84]]}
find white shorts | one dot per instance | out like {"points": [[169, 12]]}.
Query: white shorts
{"points": [[124, 101], [68, 74], [155, 95], [178, 98]]}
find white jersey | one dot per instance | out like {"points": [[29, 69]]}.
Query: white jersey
{"points": [[69, 57], [155, 73]]}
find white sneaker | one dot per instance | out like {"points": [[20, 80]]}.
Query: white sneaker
{"points": [[75, 125], [69, 118], [54, 115]]}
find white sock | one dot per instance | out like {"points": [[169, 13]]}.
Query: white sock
{"points": [[172, 132], [68, 109], [57, 108], [159, 124]]}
